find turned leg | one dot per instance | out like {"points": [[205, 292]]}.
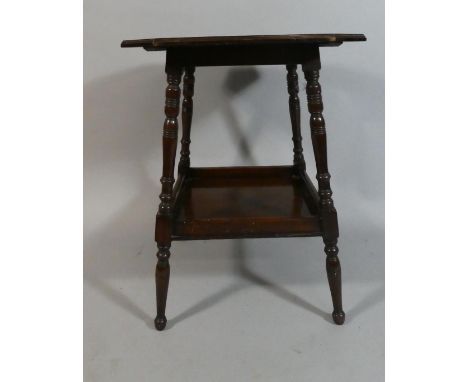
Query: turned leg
{"points": [[187, 111], [334, 280], [163, 271], [328, 216], [164, 216], [295, 114]]}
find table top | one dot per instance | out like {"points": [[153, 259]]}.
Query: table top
{"points": [[254, 40]]}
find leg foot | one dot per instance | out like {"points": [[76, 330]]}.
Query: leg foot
{"points": [[160, 323], [339, 317]]}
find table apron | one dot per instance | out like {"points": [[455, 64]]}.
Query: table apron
{"points": [[242, 55]]}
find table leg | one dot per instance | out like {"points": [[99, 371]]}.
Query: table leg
{"points": [[187, 111], [328, 214], [164, 216], [295, 114]]}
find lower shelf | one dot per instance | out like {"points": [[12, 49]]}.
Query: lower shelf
{"points": [[240, 202]]}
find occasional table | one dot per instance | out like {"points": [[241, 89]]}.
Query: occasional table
{"points": [[244, 202]]}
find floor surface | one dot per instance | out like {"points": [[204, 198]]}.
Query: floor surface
{"points": [[244, 310]]}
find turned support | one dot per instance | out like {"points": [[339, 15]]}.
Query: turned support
{"points": [[334, 280], [163, 271], [295, 115], [328, 216], [187, 111], [164, 216]]}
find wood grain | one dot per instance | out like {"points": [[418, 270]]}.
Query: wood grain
{"points": [[237, 202]]}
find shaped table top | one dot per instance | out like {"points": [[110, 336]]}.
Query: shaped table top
{"points": [[244, 41]]}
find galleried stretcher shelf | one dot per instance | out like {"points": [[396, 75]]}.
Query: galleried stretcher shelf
{"points": [[244, 202]]}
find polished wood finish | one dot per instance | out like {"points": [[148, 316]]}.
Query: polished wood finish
{"points": [[187, 111], [164, 216], [245, 202], [241, 50], [239, 202], [232, 41], [295, 115], [327, 209]]}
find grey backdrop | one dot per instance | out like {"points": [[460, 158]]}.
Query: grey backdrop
{"points": [[238, 310]]}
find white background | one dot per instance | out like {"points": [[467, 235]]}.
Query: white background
{"points": [[41, 160]]}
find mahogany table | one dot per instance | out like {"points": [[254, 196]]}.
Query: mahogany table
{"points": [[244, 202]]}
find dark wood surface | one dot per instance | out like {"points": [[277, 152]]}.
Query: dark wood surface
{"points": [[245, 202], [241, 50], [187, 111], [164, 216], [253, 40], [295, 115], [237, 202], [329, 220]]}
